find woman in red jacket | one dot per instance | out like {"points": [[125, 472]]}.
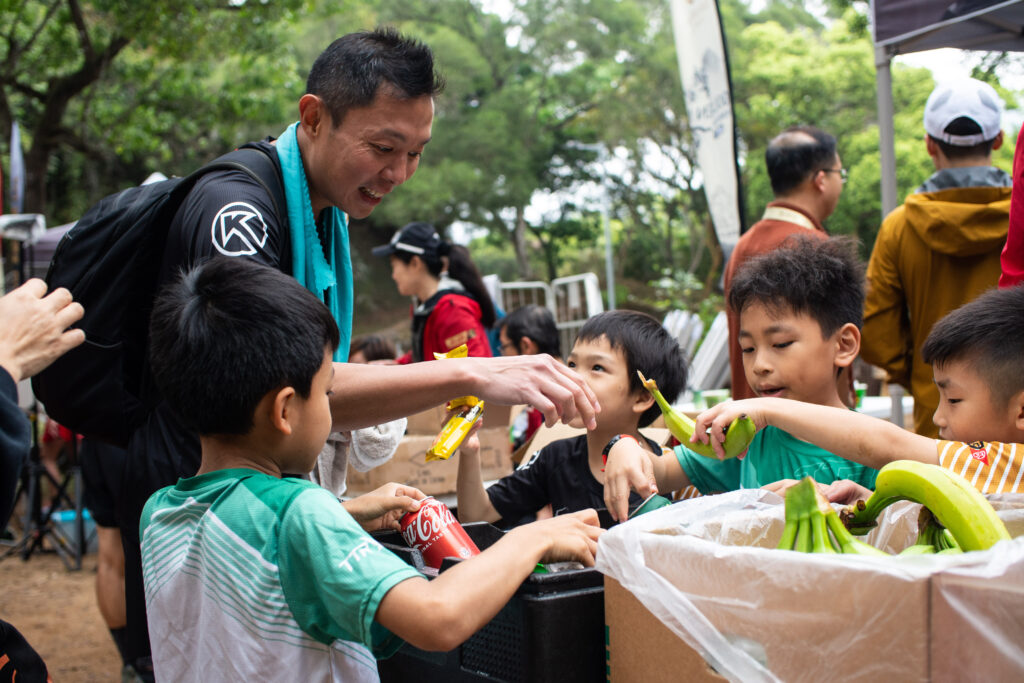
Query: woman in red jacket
{"points": [[452, 306]]}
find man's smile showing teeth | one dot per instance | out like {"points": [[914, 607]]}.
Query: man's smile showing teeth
{"points": [[370, 193]]}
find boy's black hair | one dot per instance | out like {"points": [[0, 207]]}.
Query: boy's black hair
{"points": [[988, 335], [228, 332], [795, 154], [964, 126], [373, 346], [537, 323], [647, 346], [349, 73], [820, 278]]}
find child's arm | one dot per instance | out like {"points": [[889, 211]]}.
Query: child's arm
{"points": [[474, 505], [441, 614], [861, 438], [631, 466]]}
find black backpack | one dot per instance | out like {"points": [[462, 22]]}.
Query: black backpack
{"points": [[111, 261]]}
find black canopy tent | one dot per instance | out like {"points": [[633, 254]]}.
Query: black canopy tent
{"points": [[903, 26]]}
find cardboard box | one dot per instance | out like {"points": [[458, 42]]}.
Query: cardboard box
{"points": [[641, 648], [546, 435], [408, 465], [431, 421], [708, 571]]}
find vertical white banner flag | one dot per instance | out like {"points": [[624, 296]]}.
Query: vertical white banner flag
{"points": [[705, 75], [16, 176]]}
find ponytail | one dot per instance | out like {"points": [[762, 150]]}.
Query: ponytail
{"points": [[462, 268]]}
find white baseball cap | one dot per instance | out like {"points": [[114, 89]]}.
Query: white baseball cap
{"points": [[965, 97]]}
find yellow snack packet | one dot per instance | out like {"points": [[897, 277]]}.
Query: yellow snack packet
{"points": [[453, 433], [461, 351]]}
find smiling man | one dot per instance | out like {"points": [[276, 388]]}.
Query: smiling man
{"points": [[364, 122]]}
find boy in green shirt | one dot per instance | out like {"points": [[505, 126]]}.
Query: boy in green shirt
{"points": [[250, 575], [800, 310]]}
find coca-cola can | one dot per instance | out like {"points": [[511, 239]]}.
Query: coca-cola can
{"points": [[434, 531]]}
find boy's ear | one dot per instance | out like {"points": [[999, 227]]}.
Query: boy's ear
{"points": [[644, 400], [528, 347], [280, 409], [1017, 406], [847, 345]]}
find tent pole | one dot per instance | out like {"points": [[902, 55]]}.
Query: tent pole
{"points": [[887, 148], [886, 142]]}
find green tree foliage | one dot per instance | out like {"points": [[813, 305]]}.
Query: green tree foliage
{"points": [[112, 87]]}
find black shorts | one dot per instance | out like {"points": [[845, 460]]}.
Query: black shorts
{"points": [[103, 474]]}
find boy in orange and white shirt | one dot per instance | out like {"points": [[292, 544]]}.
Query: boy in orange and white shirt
{"points": [[977, 358]]}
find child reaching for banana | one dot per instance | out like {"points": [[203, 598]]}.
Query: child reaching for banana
{"points": [[977, 357]]}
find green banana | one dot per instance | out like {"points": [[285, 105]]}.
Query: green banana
{"points": [[809, 518], [918, 549], [737, 437], [957, 505], [849, 545]]}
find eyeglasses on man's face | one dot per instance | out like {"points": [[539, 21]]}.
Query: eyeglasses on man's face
{"points": [[840, 171]]}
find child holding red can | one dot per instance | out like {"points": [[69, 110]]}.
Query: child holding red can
{"points": [[252, 575]]}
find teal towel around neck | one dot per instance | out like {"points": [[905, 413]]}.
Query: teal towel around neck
{"points": [[331, 282]]}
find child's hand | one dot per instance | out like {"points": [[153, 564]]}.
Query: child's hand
{"points": [[470, 446], [571, 536], [845, 492], [718, 418], [383, 507], [628, 468]]}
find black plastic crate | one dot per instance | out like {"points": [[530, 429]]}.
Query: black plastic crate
{"points": [[552, 630]]}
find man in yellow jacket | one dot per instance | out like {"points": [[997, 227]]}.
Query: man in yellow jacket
{"points": [[941, 248]]}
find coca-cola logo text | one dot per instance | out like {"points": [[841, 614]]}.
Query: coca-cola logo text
{"points": [[428, 524]]}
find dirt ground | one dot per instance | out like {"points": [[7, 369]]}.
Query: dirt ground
{"points": [[55, 609]]}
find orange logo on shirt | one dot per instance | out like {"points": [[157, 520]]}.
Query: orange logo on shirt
{"points": [[979, 451]]}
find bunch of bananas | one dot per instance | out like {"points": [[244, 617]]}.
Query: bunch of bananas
{"points": [[954, 517], [813, 526], [737, 437], [932, 537], [954, 505]]}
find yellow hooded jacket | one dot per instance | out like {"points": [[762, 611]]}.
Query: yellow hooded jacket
{"points": [[934, 253]]}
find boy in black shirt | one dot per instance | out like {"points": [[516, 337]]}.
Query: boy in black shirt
{"points": [[569, 474]]}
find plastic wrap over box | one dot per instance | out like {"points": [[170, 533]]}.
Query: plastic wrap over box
{"points": [[707, 569]]}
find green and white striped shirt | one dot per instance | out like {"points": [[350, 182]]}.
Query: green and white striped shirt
{"points": [[251, 577]]}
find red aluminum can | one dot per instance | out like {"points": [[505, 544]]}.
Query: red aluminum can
{"points": [[434, 531]]}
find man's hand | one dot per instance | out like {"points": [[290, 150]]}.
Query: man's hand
{"points": [[34, 329], [628, 468], [383, 507], [570, 537], [538, 380]]}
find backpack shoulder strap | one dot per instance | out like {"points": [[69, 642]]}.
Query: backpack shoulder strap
{"points": [[258, 165]]}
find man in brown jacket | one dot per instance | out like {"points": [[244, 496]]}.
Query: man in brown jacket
{"points": [[941, 248], [807, 178]]}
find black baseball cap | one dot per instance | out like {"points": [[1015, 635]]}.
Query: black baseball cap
{"points": [[420, 239]]}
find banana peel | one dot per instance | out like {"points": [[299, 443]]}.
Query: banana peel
{"points": [[737, 437]]}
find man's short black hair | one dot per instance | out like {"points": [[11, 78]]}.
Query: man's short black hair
{"points": [[537, 323], [647, 346], [987, 334], [797, 153], [964, 126], [228, 332], [820, 278], [349, 73]]}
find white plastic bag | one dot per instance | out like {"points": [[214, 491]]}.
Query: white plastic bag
{"points": [[707, 568]]}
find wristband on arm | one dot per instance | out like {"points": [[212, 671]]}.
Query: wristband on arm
{"points": [[611, 442]]}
